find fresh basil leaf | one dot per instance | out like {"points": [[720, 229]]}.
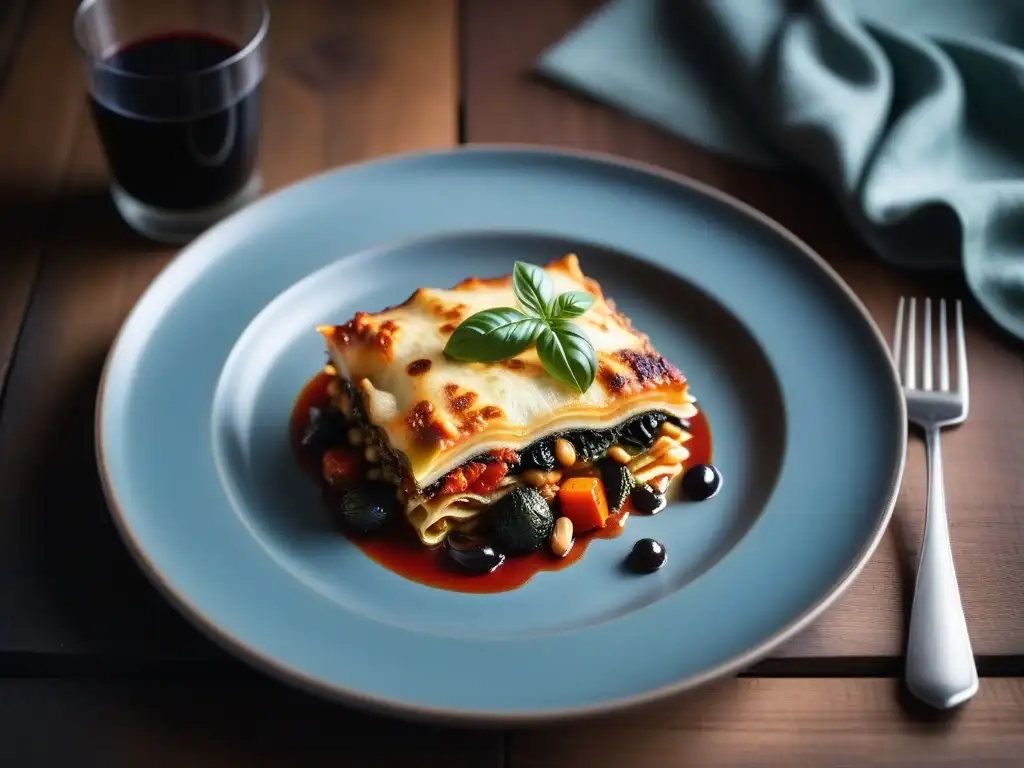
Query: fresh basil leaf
{"points": [[533, 288], [567, 354], [571, 304], [493, 335]]}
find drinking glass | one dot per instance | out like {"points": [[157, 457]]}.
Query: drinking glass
{"points": [[174, 94]]}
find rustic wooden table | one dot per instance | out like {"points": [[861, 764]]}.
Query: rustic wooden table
{"points": [[96, 669]]}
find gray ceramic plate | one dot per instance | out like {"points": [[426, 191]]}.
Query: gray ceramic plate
{"points": [[808, 426]]}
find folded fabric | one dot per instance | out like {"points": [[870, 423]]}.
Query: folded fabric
{"points": [[909, 110]]}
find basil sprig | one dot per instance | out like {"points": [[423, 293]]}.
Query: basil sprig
{"points": [[501, 333], [493, 335]]}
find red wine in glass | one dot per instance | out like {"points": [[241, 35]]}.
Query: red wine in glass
{"points": [[175, 102], [182, 162]]}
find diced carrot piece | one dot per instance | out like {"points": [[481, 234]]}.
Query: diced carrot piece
{"points": [[342, 467], [583, 501]]}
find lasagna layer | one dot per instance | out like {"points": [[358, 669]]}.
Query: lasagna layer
{"points": [[436, 413], [434, 518]]}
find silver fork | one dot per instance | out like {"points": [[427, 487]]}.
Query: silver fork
{"points": [[940, 663]]}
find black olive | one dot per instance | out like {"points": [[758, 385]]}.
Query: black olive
{"points": [[702, 481], [368, 508], [647, 556], [590, 443], [471, 554], [521, 521], [540, 455], [640, 432], [647, 500], [325, 429]]}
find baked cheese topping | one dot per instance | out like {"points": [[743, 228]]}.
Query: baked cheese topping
{"points": [[437, 413]]}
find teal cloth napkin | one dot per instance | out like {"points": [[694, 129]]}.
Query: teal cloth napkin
{"points": [[911, 111]]}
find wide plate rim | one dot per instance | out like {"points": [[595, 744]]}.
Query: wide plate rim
{"points": [[412, 711]]}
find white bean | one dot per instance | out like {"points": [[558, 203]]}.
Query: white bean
{"points": [[538, 478], [564, 452], [561, 537], [619, 454]]}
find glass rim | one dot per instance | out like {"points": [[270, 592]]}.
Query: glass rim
{"points": [[254, 41]]}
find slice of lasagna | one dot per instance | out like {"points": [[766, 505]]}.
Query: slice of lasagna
{"points": [[455, 437]]}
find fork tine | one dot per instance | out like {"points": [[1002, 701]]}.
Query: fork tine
{"points": [[909, 372], [897, 339], [926, 353], [961, 357], [943, 349]]}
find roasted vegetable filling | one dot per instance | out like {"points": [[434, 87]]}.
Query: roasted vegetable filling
{"points": [[505, 501]]}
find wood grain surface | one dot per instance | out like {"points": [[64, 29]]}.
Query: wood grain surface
{"points": [[347, 81], [760, 723], [95, 667], [820, 723], [506, 102], [39, 108]]}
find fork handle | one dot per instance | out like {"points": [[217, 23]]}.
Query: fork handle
{"points": [[940, 663]]}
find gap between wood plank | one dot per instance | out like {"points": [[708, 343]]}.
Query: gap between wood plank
{"points": [[13, 20], [25, 33], [836, 722]]}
